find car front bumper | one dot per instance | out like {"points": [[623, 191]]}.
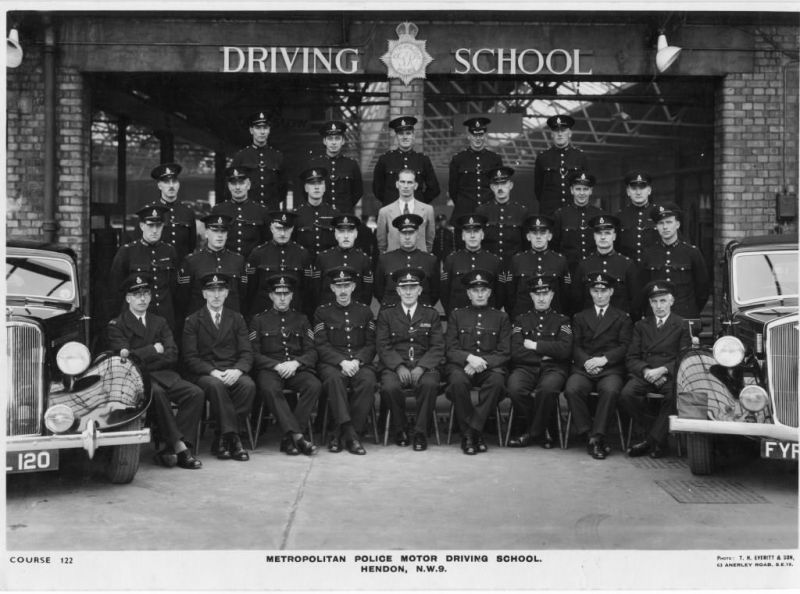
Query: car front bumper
{"points": [[768, 430], [90, 439]]}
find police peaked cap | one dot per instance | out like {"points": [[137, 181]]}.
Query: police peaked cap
{"points": [[539, 222], [477, 124], [137, 281], [637, 176], [333, 127], [477, 278], [604, 221], [541, 283], [581, 177], [314, 174], [408, 276], [341, 275], [500, 174], [403, 123], [215, 279], [594, 279], [658, 287], [259, 117], [345, 220], [407, 221], [282, 280], [662, 211], [217, 220], [471, 220], [560, 121], [153, 213], [165, 171], [237, 172]]}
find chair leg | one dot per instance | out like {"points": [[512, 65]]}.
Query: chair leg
{"points": [[499, 426], [259, 417], [508, 427], [436, 425], [565, 442], [450, 422], [249, 426], [324, 424], [630, 434], [621, 432], [386, 427], [374, 417]]}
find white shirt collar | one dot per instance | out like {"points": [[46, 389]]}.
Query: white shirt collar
{"points": [[411, 310]]}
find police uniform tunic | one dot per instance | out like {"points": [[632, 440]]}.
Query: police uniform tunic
{"points": [[268, 181], [504, 235], [312, 228], [572, 235], [351, 258], [484, 332], [453, 293], [248, 227], [551, 173], [543, 370], [157, 259], [389, 166], [530, 263], [271, 258], [683, 265], [637, 231], [468, 183], [127, 332], [628, 287], [385, 287], [418, 342], [276, 337], [345, 333], [206, 261], [180, 229], [343, 186]]}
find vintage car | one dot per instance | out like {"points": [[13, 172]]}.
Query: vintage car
{"points": [[746, 385], [57, 396]]}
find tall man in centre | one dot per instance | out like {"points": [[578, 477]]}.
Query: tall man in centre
{"points": [[389, 236]]}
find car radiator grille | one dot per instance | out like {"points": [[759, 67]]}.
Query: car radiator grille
{"points": [[25, 355], [782, 355]]}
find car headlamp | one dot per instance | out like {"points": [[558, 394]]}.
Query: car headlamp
{"points": [[59, 418], [729, 351], [753, 398], [73, 358]]}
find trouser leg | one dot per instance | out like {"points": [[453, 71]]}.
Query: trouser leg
{"points": [[458, 392], [270, 387], [308, 388], [608, 389], [546, 400], [362, 397], [426, 391], [393, 397], [576, 391], [520, 385], [491, 384], [222, 407]]}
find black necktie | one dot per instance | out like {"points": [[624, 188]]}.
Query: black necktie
{"points": [[660, 323], [405, 208], [408, 314], [217, 319], [600, 313]]}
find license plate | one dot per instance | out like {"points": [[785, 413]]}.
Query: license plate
{"points": [[31, 461], [780, 450]]}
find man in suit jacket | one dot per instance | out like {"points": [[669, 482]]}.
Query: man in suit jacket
{"points": [[410, 347], [389, 236], [601, 335], [217, 354], [657, 341], [478, 343], [148, 338]]}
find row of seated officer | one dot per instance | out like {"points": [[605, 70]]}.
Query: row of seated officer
{"points": [[281, 349]]}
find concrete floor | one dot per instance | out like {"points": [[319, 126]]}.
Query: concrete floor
{"points": [[394, 498]]}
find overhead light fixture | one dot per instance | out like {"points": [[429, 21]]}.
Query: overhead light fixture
{"points": [[13, 50], [666, 54]]}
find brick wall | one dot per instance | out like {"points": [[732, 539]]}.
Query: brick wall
{"points": [[756, 141], [25, 157]]}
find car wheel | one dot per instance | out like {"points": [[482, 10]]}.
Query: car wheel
{"points": [[123, 461], [700, 449]]}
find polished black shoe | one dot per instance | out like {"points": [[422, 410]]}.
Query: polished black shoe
{"points": [[520, 441], [401, 438], [354, 447], [166, 458], [599, 450], [468, 446], [287, 446], [639, 449], [480, 445], [237, 450], [186, 460], [304, 446], [215, 442], [420, 442], [335, 444], [658, 451]]}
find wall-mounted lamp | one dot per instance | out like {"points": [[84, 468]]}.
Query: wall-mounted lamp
{"points": [[666, 54], [14, 50]]}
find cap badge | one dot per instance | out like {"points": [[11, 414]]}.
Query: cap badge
{"points": [[639, 177], [602, 220], [167, 171], [599, 278], [471, 221], [155, 213], [139, 280], [342, 274], [215, 279], [478, 277]]}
